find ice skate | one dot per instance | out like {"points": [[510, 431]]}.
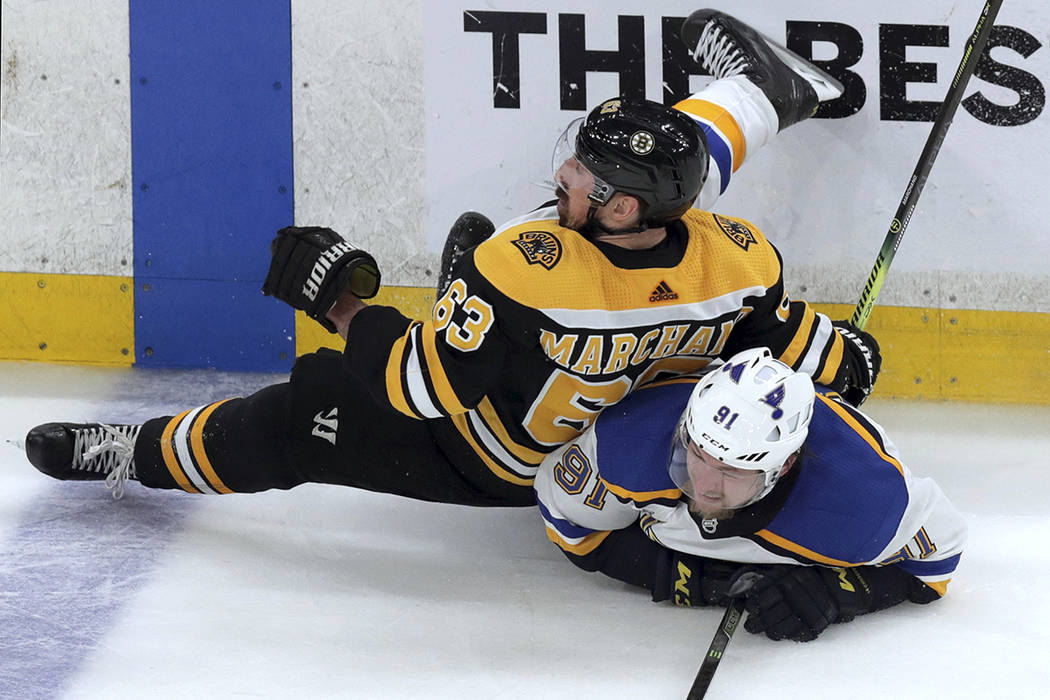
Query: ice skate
{"points": [[470, 229], [727, 47], [85, 452]]}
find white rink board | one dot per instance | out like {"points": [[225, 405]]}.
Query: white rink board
{"points": [[65, 140], [824, 191], [395, 134]]}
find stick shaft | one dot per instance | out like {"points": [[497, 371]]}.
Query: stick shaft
{"points": [[733, 615], [972, 53]]}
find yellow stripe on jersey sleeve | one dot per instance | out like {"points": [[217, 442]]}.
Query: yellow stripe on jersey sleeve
{"points": [[462, 423], [168, 453], [787, 544], [491, 419], [586, 545], [844, 414], [940, 586], [798, 345], [644, 496], [446, 395], [395, 388], [831, 364], [197, 444]]}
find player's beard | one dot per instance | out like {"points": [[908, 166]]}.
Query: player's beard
{"points": [[711, 513], [563, 208]]}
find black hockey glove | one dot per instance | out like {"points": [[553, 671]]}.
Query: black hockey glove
{"points": [[692, 581], [799, 602], [310, 266], [861, 363], [470, 229]]}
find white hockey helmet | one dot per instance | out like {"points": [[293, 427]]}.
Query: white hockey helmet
{"points": [[751, 413]]}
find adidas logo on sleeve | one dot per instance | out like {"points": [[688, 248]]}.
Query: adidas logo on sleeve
{"points": [[663, 292]]}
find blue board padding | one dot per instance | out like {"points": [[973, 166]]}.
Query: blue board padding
{"points": [[211, 129], [226, 342]]}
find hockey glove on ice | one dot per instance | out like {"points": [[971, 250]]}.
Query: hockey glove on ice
{"points": [[692, 581], [861, 363], [799, 602], [310, 266]]}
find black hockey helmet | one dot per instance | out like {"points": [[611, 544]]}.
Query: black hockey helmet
{"points": [[641, 148]]}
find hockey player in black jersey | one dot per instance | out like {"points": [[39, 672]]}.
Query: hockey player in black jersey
{"points": [[556, 317]]}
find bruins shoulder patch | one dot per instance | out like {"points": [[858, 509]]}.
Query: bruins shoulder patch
{"points": [[737, 232], [539, 248]]}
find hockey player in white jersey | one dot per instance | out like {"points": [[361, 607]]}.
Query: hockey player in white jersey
{"points": [[686, 485]]}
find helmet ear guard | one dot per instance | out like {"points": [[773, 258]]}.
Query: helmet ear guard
{"points": [[602, 192]]}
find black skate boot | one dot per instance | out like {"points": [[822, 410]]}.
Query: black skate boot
{"points": [[470, 229], [725, 47], [85, 452]]}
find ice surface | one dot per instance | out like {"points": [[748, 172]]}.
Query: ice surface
{"points": [[329, 592]]}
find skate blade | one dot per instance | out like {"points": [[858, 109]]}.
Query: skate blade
{"points": [[826, 87]]}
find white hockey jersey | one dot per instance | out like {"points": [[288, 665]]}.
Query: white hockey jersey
{"points": [[848, 501]]}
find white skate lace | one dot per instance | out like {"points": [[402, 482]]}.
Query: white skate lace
{"points": [[718, 53], [107, 450]]}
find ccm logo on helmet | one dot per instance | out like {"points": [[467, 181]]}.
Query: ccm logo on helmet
{"points": [[716, 443]]}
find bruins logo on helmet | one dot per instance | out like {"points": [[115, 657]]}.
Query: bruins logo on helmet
{"points": [[737, 232], [642, 143], [539, 248]]}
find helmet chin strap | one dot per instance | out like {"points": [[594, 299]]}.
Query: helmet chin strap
{"points": [[594, 228]]}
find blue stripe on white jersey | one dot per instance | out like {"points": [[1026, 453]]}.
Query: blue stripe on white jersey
{"points": [[721, 154], [565, 528], [930, 568]]}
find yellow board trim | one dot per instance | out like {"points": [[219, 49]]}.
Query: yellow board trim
{"points": [[87, 319], [414, 302], [959, 354], [197, 442], [929, 354]]}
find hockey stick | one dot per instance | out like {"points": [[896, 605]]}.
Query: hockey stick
{"points": [[973, 52], [730, 621], [734, 614]]}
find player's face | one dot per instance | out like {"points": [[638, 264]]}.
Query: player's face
{"points": [[717, 489], [574, 184]]}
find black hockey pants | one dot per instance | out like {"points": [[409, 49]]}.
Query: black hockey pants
{"points": [[321, 426]]}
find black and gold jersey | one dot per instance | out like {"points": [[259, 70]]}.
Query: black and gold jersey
{"points": [[541, 329]]}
